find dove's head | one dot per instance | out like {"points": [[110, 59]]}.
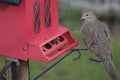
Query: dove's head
{"points": [[88, 16]]}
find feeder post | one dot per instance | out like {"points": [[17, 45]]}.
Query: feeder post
{"points": [[20, 73]]}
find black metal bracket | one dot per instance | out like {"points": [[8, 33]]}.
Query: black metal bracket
{"points": [[5, 68], [78, 51], [58, 61]]}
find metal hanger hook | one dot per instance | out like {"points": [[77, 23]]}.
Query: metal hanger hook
{"points": [[77, 57]]}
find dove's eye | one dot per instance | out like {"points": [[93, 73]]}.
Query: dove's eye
{"points": [[86, 14]]}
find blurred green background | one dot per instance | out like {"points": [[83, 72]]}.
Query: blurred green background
{"points": [[82, 69]]}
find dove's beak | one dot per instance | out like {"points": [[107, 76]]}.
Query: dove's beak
{"points": [[82, 18]]}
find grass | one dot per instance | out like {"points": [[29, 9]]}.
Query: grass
{"points": [[82, 69]]}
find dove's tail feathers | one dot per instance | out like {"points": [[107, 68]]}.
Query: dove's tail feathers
{"points": [[110, 68]]}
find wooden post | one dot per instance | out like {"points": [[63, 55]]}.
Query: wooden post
{"points": [[22, 71]]}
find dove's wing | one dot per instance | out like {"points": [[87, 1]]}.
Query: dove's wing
{"points": [[96, 36]]}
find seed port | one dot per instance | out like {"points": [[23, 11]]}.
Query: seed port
{"points": [[60, 38], [54, 42], [48, 46], [44, 49]]}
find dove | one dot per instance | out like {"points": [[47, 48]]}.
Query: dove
{"points": [[97, 38]]}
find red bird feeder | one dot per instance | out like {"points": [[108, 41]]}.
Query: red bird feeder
{"points": [[29, 29]]}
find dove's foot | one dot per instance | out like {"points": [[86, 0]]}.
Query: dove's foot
{"points": [[100, 58]]}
